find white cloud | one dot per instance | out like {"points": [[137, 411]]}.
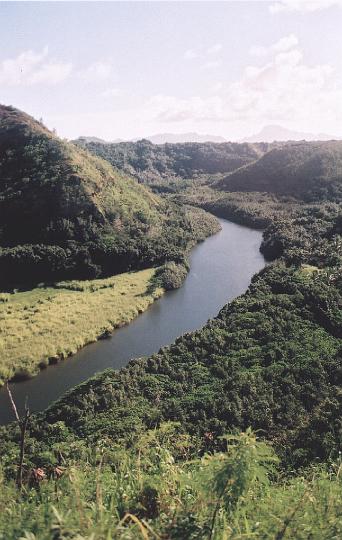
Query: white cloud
{"points": [[282, 45], [216, 87], [172, 109], [98, 71], [284, 88], [51, 74], [215, 49], [30, 68], [304, 6], [110, 93], [190, 54], [214, 64]]}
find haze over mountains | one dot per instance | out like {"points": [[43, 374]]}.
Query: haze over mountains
{"points": [[273, 133], [162, 138], [270, 133]]}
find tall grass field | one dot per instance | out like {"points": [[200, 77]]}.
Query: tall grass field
{"points": [[46, 324]]}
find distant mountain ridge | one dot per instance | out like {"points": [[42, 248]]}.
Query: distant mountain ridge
{"points": [[173, 138], [272, 133], [89, 139], [160, 138]]}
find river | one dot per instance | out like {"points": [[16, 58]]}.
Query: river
{"points": [[221, 269]]}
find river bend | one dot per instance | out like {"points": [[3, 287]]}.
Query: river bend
{"points": [[221, 269]]}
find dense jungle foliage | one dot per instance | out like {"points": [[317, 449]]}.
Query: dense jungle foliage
{"points": [[161, 163], [65, 214], [309, 171]]}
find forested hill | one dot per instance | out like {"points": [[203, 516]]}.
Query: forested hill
{"points": [[65, 213], [311, 171], [152, 163]]}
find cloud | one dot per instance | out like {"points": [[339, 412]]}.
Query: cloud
{"points": [[96, 72], [110, 93], [212, 64], [304, 6], [30, 68], [282, 45], [172, 109], [216, 87], [215, 49], [283, 88], [190, 54]]}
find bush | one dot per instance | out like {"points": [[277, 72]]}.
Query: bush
{"points": [[172, 275]]}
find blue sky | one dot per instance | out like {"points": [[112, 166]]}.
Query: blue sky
{"points": [[131, 69]]}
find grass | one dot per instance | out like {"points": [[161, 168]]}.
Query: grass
{"points": [[149, 493], [46, 324]]}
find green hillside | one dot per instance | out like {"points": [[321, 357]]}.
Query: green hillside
{"points": [[310, 171], [66, 214], [162, 163]]}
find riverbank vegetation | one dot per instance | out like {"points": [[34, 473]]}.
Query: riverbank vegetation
{"points": [[48, 324]]}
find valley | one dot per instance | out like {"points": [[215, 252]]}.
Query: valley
{"points": [[220, 269], [247, 393]]}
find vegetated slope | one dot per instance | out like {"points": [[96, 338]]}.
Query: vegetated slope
{"points": [[311, 171], [152, 163], [51, 191], [162, 488], [65, 213], [271, 360]]}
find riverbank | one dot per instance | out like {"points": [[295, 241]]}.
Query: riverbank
{"points": [[48, 324], [221, 269]]}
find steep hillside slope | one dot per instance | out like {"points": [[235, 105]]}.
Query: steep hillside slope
{"points": [[306, 170], [65, 213], [51, 191], [160, 163]]}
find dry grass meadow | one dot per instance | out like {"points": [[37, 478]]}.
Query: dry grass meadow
{"points": [[44, 325]]}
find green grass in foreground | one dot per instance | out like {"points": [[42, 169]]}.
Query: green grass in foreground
{"points": [[154, 491], [46, 324]]}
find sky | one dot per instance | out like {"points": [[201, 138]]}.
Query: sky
{"points": [[132, 69]]}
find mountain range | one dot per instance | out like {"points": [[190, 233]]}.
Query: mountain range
{"points": [[273, 133]]}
